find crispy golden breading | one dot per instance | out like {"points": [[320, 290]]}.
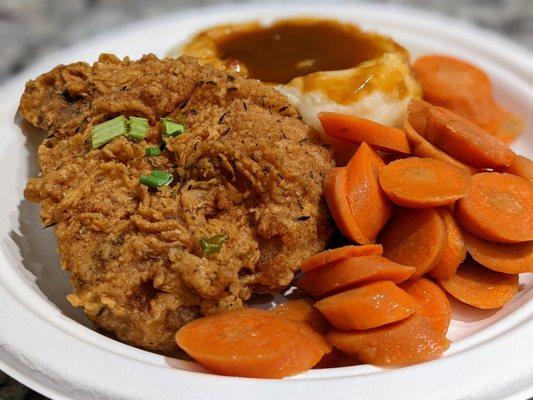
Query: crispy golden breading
{"points": [[247, 167]]}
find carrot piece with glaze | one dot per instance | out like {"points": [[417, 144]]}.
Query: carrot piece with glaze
{"points": [[415, 237], [454, 252], [522, 167], [340, 253], [407, 342], [351, 272], [369, 306], [302, 310], [423, 182], [370, 208], [252, 343], [498, 208], [434, 303], [509, 258], [359, 130]]}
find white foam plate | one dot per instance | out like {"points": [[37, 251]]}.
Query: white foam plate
{"points": [[51, 347]]}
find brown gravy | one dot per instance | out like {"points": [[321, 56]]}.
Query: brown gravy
{"points": [[293, 48]]}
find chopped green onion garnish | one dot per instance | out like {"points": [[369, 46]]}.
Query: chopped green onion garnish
{"points": [[156, 179], [153, 151], [213, 244], [107, 131], [138, 128], [172, 128]]}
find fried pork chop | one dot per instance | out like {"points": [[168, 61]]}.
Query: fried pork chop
{"points": [[246, 168]]}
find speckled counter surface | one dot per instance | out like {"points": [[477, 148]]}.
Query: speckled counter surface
{"points": [[32, 28]]}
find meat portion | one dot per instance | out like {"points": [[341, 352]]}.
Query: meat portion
{"points": [[246, 167]]}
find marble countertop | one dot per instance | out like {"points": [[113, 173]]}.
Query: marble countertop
{"points": [[31, 28]]}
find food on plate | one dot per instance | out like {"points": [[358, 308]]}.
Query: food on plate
{"points": [[340, 253], [244, 206], [302, 310], [522, 167]]}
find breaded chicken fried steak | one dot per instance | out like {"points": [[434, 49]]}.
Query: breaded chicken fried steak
{"points": [[219, 197]]}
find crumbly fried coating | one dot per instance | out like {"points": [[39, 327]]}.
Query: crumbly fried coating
{"points": [[247, 167]]}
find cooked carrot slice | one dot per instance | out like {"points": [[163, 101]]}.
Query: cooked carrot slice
{"points": [[510, 258], [458, 137], [369, 306], [410, 341], [343, 150], [481, 287], [498, 208], [466, 90], [434, 302], [522, 167], [252, 343], [370, 208], [415, 237], [336, 359], [454, 252], [302, 310], [359, 130], [423, 182], [352, 272], [335, 192], [340, 253]]}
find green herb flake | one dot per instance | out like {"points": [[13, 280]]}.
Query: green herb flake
{"points": [[152, 151], [172, 128], [107, 131], [213, 244], [156, 179], [138, 128]]}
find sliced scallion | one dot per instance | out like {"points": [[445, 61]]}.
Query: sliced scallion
{"points": [[172, 128], [156, 179], [138, 128], [107, 131], [213, 244], [152, 151]]}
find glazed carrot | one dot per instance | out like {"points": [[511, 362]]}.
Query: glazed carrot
{"points": [[359, 130], [522, 167], [369, 306], [454, 252], [340, 253], [350, 273], [466, 90], [510, 258], [498, 208], [458, 137], [370, 208], [423, 182], [302, 310], [434, 303], [252, 343], [481, 287], [415, 237], [420, 147], [410, 341], [335, 193]]}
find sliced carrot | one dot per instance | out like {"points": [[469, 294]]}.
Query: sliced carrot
{"points": [[350, 273], [466, 90], [302, 310], [335, 192], [336, 359], [454, 252], [458, 137], [415, 237], [410, 341], [522, 167], [343, 150], [340, 253], [252, 343], [370, 208], [509, 258], [498, 208], [434, 303], [359, 130], [369, 306], [480, 287], [423, 182]]}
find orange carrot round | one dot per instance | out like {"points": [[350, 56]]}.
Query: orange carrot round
{"points": [[498, 208], [510, 258], [415, 237], [369, 306], [302, 310], [454, 252], [252, 343], [522, 167], [359, 130], [481, 287], [410, 341], [340, 253], [434, 302], [350, 273], [423, 182]]}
